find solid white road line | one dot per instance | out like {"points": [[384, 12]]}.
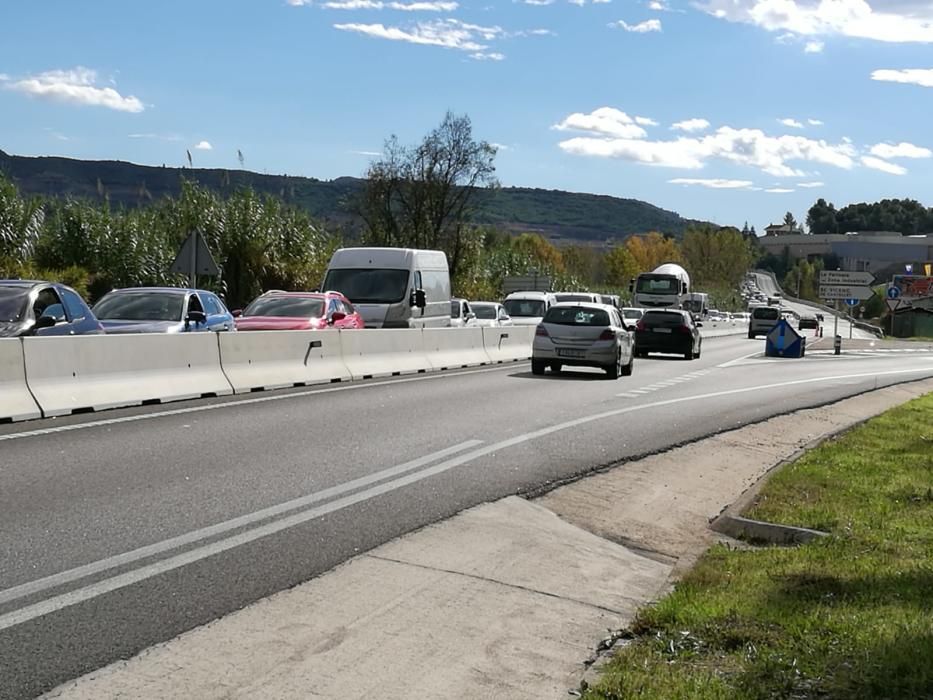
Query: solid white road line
{"points": [[89, 592], [224, 527]]}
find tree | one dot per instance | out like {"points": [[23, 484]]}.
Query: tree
{"points": [[620, 267], [821, 218], [790, 221], [422, 196], [716, 257], [651, 250]]}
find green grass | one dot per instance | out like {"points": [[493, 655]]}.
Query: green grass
{"points": [[848, 616]]}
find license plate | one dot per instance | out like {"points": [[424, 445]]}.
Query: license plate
{"points": [[662, 330], [571, 353]]}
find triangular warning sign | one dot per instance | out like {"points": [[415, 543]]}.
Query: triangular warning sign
{"points": [[203, 260]]}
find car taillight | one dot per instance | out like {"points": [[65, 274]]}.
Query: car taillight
{"points": [[542, 332], [684, 329], [607, 335], [640, 326]]}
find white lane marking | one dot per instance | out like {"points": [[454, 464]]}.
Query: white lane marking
{"points": [[324, 389], [226, 526], [640, 391], [628, 395], [739, 360], [89, 592]]}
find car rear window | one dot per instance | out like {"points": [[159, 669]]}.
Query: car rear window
{"points": [[766, 314], [662, 318], [576, 316], [286, 307]]}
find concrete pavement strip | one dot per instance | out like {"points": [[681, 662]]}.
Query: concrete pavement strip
{"points": [[505, 600]]}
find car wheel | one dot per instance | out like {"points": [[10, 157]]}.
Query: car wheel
{"points": [[614, 370], [699, 350], [627, 369], [556, 367], [751, 336], [689, 354], [537, 367]]}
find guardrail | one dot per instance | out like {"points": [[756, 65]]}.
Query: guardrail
{"points": [[56, 376]]}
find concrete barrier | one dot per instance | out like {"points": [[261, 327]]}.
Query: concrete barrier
{"points": [[508, 344], [256, 360], [452, 348], [95, 372], [16, 403], [383, 352]]}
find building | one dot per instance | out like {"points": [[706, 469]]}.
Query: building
{"points": [[883, 253], [782, 230]]}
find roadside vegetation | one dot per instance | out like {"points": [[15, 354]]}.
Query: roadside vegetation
{"points": [[426, 195], [847, 616]]}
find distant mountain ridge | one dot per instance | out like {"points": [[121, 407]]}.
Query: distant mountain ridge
{"points": [[563, 217]]}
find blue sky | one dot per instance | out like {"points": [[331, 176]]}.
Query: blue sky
{"points": [[728, 110]]}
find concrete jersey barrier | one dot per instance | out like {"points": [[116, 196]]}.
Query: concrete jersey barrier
{"points": [[95, 372], [16, 403], [451, 348], [508, 344], [254, 360], [384, 352]]}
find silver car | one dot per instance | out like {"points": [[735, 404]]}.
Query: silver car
{"points": [[491, 314], [583, 335]]}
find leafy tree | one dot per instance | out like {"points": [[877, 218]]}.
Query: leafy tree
{"points": [[651, 250], [790, 221], [621, 267], [716, 256], [821, 218], [20, 225], [423, 196]]}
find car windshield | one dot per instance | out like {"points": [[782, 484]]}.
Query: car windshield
{"points": [[693, 305], [455, 309], [369, 285], [766, 314], [13, 303], [293, 307], [662, 319], [485, 311], [141, 306], [573, 297], [576, 316], [632, 313], [524, 308], [657, 284]]}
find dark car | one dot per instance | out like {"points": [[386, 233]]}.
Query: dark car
{"points": [[808, 322], [162, 310], [28, 307], [668, 331]]}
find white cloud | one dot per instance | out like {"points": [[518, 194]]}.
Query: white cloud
{"points": [[793, 123], [610, 133], [487, 56], [713, 183], [433, 6], [501, 147], [649, 25], [605, 121], [299, 3], [204, 146], [691, 125], [883, 165], [896, 21], [369, 154], [900, 150], [809, 185], [157, 137], [814, 122], [912, 76], [645, 121], [778, 190], [75, 86], [447, 33], [814, 47]]}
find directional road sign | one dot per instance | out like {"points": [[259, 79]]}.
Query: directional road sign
{"points": [[836, 291], [845, 278], [852, 302], [784, 341], [893, 292]]}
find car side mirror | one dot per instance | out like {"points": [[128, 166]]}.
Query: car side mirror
{"points": [[44, 322], [419, 298], [337, 316], [237, 313], [196, 317], [699, 324]]}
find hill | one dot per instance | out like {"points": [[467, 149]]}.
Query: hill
{"points": [[563, 217]]}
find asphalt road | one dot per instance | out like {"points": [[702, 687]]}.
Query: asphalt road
{"points": [[125, 528]]}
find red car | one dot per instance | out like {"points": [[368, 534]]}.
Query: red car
{"points": [[298, 311]]}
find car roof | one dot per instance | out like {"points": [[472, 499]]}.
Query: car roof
{"points": [[22, 284], [310, 295], [484, 303], [583, 304], [679, 312], [159, 290]]}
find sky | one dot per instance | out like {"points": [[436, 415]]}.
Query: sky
{"points": [[722, 110]]}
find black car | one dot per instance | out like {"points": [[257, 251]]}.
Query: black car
{"points": [[808, 322], [28, 307], [668, 331]]}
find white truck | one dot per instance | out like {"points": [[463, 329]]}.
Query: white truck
{"points": [[667, 286], [697, 303]]}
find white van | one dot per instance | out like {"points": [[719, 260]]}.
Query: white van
{"points": [[393, 287], [528, 308]]}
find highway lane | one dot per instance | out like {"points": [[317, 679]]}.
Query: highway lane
{"points": [[355, 465]]}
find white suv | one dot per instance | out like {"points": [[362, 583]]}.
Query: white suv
{"points": [[764, 318]]}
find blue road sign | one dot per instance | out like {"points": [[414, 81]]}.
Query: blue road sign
{"points": [[784, 341], [893, 292], [852, 302]]}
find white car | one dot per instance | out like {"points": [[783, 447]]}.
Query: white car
{"points": [[528, 308], [632, 315], [581, 334], [563, 297], [491, 314], [461, 315]]}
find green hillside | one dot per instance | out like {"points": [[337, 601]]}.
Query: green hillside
{"points": [[561, 216]]}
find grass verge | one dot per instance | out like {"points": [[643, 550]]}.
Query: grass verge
{"points": [[848, 616]]}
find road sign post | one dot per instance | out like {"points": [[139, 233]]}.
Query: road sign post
{"points": [[893, 300], [837, 339]]}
